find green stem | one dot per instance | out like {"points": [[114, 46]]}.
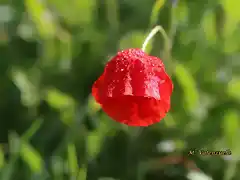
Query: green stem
{"points": [[167, 45], [173, 25]]}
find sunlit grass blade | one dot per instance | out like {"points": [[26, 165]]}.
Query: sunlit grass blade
{"points": [[72, 160], [156, 10], [32, 158], [14, 149], [186, 80], [2, 159], [33, 129]]}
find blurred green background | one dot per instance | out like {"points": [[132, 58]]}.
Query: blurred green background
{"points": [[51, 52]]}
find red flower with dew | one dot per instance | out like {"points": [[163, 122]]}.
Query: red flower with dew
{"points": [[134, 88]]}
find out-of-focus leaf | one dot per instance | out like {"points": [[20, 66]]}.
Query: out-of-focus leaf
{"points": [[82, 175], [188, 84], [31, 157], [14, 149], [232, 19], [72, 160], [93, 105], [32, 130], [220, 19], [97, 41], [26, 31], [14, 144], [232, 42], [58, 99], [134, 39], [233, 88], [65, 51], [181, 12], [231, 127], [63, 102], [2, 159], [156, 10], [57, 52], [77, 12], [196, 10], [29, 93], [95, 140], [170, 121], [233, 15], [49, 53], [209, 27], [112, 14], [6, 13], [57, 166], [42, 18]]}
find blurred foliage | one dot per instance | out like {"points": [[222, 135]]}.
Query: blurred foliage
{"points": [[51, 52]]}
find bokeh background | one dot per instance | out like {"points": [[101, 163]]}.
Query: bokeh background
{"points": [[51, 52]]}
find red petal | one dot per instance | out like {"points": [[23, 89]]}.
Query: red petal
{"points": [[135, 111], [134, 88]]}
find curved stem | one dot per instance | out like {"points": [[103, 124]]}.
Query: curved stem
{"points": [[153, 33]]}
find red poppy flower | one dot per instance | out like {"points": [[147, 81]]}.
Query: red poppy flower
{"points": [[134, 88]]}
